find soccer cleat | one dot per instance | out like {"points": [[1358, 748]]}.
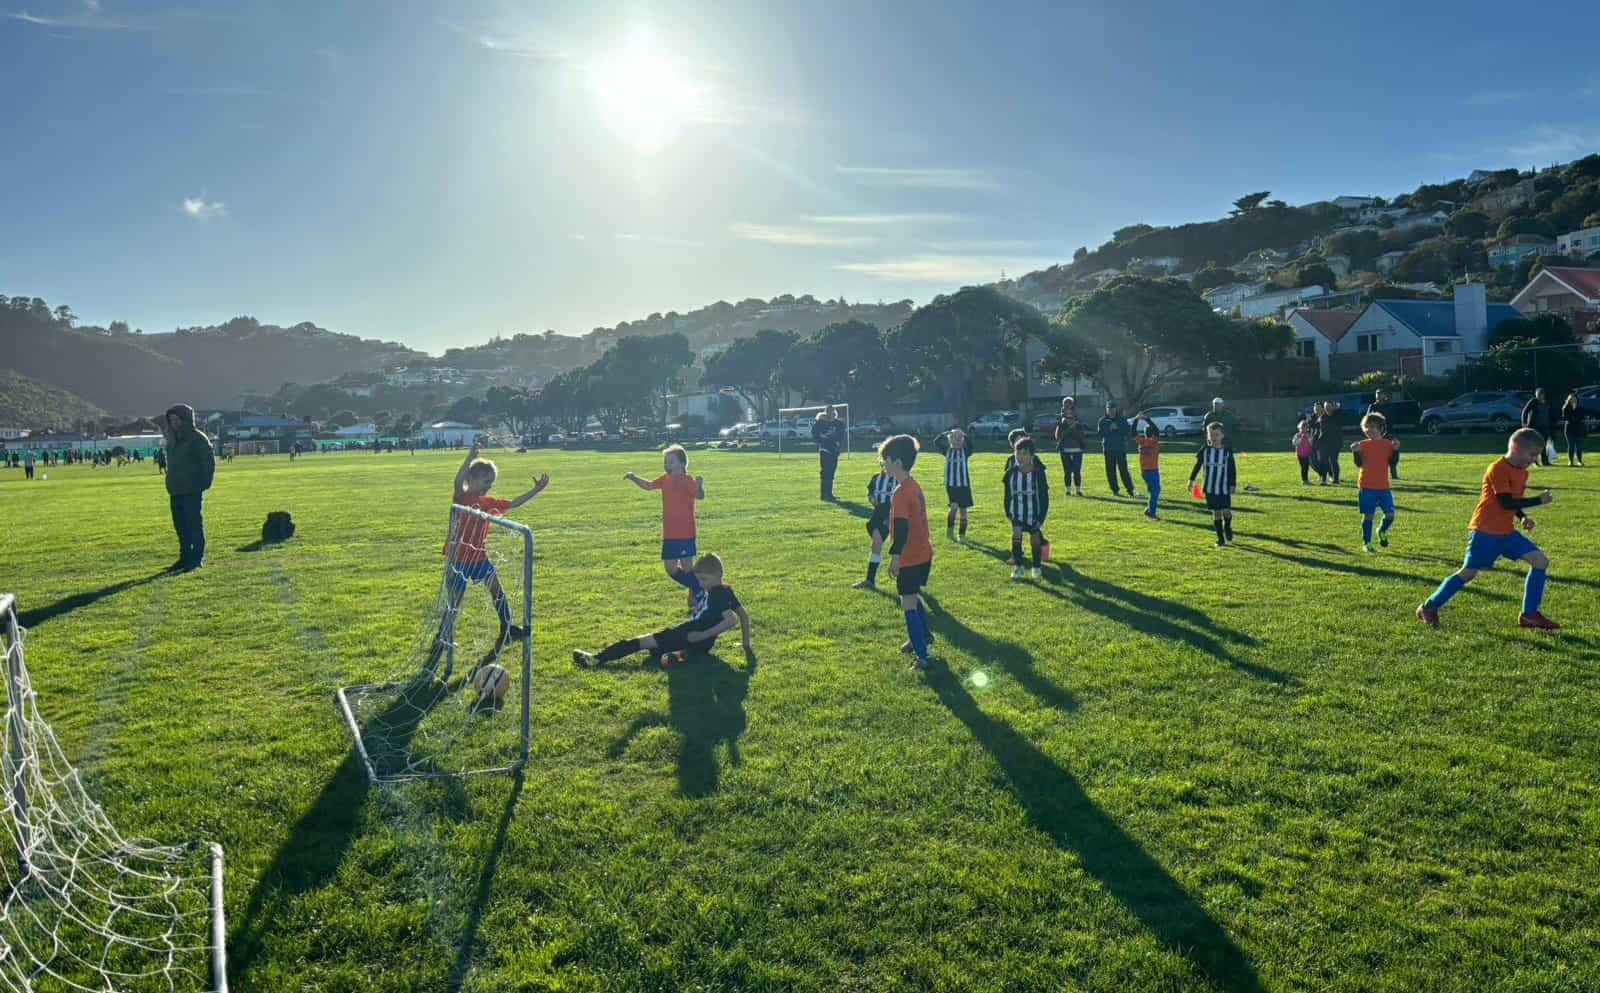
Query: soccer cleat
{"points": [[1016, 572], [949, 534], [584, 660], [865, 584], [961, 539], [1151, 515], [1428, 615], [921, 665], [1366, 546], [1220, 544], [906, 648], [1037, 573], [1537, 620], [1383, 539]]}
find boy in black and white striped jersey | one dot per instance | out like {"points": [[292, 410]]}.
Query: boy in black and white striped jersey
{"points": [[880, 489], [1041, 544], [1214, 462], [1027, 501], [957, 481]]}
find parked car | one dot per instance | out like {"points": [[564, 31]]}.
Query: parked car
{"points": [[1403, 413], [744, 429], [555, 438], [773, 430], [1498, 410], [1044, 426], [1172, 421], [995, 424], [873, 427]]}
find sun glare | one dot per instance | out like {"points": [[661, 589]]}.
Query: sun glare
{"points": [[644, 96]]}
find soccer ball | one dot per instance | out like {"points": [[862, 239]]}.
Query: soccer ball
{"points": [[491, 684]]}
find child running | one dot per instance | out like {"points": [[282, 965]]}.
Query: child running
{"points": [[1215, 461], [911, 554], [880, 490], [1149, 442], [1302, 450], [1372, 458], [1492, 533], [957, 482], [716, 614], [1027, 501], [678, 496], [465, 549]]}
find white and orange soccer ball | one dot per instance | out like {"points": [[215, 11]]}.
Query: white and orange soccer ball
{"points": [[491, 683]]}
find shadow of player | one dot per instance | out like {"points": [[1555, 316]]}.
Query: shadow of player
{"points": [[462, 964], [67, 604], [705, 705], [1010, 657]]}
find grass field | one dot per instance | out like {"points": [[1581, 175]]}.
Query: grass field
{"points": [[1179, 768]]}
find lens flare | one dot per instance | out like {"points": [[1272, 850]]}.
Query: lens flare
{"points": [[979, 680]]}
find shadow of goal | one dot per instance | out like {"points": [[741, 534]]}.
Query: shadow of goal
{"points": [[458, 703], [86, 908]]}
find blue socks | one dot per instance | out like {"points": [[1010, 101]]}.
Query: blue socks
{"points": [[1452, 585], [687, 579], [917, 631], [1383, 528], [502, 607], [1533, 591], [1366, 530]]}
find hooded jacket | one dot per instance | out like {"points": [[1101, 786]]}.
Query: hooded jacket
{"points": [[190, 462]]}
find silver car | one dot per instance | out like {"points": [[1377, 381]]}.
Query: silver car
{"points": [[1177, 420]]}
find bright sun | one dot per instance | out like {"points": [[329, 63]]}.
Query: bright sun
{"points": [[644, 96]]}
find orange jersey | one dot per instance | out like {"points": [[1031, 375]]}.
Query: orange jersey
{"points": [[1149, 452], [908, 504], [472, 532], [678, 494], [1374, 474], [1490, 517]]}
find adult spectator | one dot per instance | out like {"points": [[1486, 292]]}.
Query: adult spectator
{"points": [[828, 432], [1328, 439], [1219, 414], [27, 464], [1572, 415], [1115, 433], [190, 466], [1069, 443], [1381, 406], [1536, 415]]}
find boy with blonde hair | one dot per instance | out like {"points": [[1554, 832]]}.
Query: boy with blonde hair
{"points": [[678, 496], [1374, 458]]}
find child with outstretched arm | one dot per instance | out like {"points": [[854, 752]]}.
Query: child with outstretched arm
{"points": [[957, 482], [1373, 458], [1149, 442], [678, 496], [1214, 461]]}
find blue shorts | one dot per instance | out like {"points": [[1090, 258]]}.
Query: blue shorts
{"points": [[458, 574], [677, 548], [1483, 549], [1371, 500]]}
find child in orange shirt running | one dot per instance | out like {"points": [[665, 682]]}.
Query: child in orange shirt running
{"points": [[1372, 457], [678, 496], [1492, 534], [1149, 443]]}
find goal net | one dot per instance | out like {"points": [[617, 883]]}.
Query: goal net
{"points": [[86, 908], [803, 418], [458, 703]]}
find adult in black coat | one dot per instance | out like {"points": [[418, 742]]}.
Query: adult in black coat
{"points": [[828, 433], [1536, 415]]}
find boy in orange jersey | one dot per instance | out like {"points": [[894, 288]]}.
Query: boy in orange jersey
{"points": [[1149, 442], [910, 554], [1493, 533], [678, 495], [1374, 455], [468, 561]]}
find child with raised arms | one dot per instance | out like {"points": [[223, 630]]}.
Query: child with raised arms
{"points": [[1492, 533], [678, 496], [957, 481], [1373, 460], [1214, 461], [1027, 502], [880, 490], [1149, 442], [716, 614]]}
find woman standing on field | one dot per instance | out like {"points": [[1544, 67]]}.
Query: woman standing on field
{"points": [[1069, 445]]}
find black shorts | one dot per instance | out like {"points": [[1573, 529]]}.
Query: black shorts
{"points": [[879, 522], [1024, 525], [675, 640], [960, 496], [912, 578], [1219, 501]]}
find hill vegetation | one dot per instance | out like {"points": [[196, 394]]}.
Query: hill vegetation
{"points": [[27, 403]]}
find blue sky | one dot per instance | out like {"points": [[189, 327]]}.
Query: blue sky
{"points": [[439, 173]]}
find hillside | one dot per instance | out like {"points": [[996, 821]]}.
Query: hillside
{"points": [[30, 404]]}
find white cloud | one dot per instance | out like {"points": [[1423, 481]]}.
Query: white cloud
{"points": [[928, 179], [90, 20], [1556, 142], [809, 237], [202, 209], [948, 269], [657, 239], [886, 220]]}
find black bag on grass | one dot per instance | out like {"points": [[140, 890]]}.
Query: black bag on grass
{"points": [[279, 527]]}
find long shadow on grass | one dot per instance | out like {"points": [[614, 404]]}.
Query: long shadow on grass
{"points": [[67, 604], [1010, 657], [480, 896], [1057, 805], [860, 510], [705, 705]]}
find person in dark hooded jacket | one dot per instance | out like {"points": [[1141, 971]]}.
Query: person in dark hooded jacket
{"points": [[190, 466]]}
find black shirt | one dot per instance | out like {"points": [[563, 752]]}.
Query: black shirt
{"points": [[719, 600], [828, 433]]}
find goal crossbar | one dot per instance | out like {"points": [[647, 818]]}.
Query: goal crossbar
{"points": [[843, 407]]}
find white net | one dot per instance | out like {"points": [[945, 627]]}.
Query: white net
{"points": [[458, 704], [85, 908]]}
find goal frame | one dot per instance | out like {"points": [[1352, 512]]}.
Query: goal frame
{"points": [[343, 695], [812, 410], [11, 641]]}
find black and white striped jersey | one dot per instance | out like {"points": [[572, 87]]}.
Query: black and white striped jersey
{"points": [[955, 467], [880, 489], [1215, 469], [1027, 495]]}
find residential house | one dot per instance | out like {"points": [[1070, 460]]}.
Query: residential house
{"points": [[1569, 291], [1352, 204], [442, 433], [1225, 298], [1341, 300], [1371, 215], [267, 433], [1164, 263], [1511, 196], [1512, 249], [1410, 219], [10, 433], [1272, 301], [1339, 263], [1418, 337], [359, 431], [1388, 260], [1317, 331], [1583, 244], [1258, 262]]}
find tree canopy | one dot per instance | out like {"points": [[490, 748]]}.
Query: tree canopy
{"points": [[1250, 201], [956, 346], [750, 365], [844, 362]]}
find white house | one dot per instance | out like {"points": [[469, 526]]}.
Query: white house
{"points": [[1388, 260], [1582, 243], [1227, 297], [1420, 219], [1316, 332], [1512, 249], [447, 433], [1418, 337], [1561, 290], [1371, 215], [1259, 261], [1166, 263], [1266, 304], [359, 431], [1353, 203], [8, 433]]}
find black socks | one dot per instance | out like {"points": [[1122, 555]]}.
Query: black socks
{"points": [[1217, 523], [620, 650]]}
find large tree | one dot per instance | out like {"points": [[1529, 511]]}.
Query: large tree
{"points": [[843, 362], [627, 382], [511, 405], [1143, 332], [1249, 202], [749, 365], [955, 347], [1252, 352], [1212, 277]]}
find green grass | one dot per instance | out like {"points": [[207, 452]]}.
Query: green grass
{"points": [[1189, 769]]}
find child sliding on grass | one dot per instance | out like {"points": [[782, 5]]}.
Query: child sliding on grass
{"points": [[678, 496], [716, 614]]}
